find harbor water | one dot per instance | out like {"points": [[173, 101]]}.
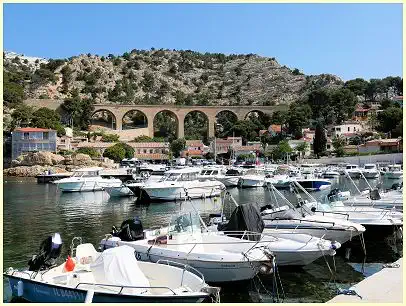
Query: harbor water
{"points": [[33, 211]]}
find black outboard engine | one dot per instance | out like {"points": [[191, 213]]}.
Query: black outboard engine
{"points": [[130, 230], [374, 194], [50, 249], [333, 193], [396, 186]]}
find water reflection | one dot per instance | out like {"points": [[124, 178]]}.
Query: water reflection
{"points": [[33, 211]]}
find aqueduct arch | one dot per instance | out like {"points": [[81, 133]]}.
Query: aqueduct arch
{"points": [[105, 119], [137, 120]]}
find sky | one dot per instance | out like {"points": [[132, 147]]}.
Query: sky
{"points": [[348, 40]]}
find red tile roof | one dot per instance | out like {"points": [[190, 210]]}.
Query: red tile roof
{"points": [[29, 129], [247, 148], [149, 144], [152, 156], [275, 127], [192, 153], [194, 143]]}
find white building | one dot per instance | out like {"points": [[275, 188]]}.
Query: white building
{"points": [[347, 129]]}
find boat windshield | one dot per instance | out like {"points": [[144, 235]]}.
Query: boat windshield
{"points": [[171, 177], [351, 167], [394, 168], [86, 174], [254, 172], [186, 223], [232, 172], [369, 166]]}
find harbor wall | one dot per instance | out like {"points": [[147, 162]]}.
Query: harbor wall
{"points": [[360, 160]]}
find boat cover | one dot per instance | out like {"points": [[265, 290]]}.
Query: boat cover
{"points": [[245, 217], [118, 266]]}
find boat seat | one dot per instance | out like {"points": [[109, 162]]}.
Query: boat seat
{"points": [[86, 253]]}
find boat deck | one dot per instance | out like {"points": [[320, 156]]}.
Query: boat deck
{"points": [[385, 286]]}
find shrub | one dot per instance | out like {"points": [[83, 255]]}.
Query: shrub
{"points": [[119, 151], [92, 152], [110, 138]]}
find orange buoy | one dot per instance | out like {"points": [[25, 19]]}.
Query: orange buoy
{"points": [[69, 264]]}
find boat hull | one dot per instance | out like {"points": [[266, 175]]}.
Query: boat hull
{"points": [[314, 185], [120, 191], [38, 292], [231, 181], [174, 193], [250, 182]]}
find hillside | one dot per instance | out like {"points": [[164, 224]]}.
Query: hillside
{"points": [[165, 77]]}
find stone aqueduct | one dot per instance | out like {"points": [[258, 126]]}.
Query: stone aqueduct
{"points": [[150, 111]]}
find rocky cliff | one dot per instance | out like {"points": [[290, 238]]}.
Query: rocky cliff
{"points": [[168, 77], [33, 164]]}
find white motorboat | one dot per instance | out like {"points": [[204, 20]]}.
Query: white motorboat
{"points": [[119, 191], [374, 198], [373, 219], [210, 173], [179, 184], [86, 179], [331, 173], [302, 220], [289, 248], [254, 177], [370, 171], [394, 172], [113, 276], [231, 177], [353, 170], [218, 257], [311, 183], [279, 180]]}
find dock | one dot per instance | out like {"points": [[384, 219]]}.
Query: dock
{"points": [[385, 286]]}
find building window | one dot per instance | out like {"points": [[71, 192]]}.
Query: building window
{"points": [[348, 129], [26, 136], [45, 135], [338, 129], [145, 151], [354, 129]]}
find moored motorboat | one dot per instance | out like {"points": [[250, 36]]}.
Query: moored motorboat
{"points": [[311, 183], [179, 184], [231, 177], [218, 257], [254, 177], [301, 219], [370, 171], [111, 276], [85, 179], [289, 248], [394, 172]]}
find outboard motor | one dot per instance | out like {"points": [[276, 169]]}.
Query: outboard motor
{"points": [[396, 186], [130, 230], [333, 194], [374, 194], [50, 249]]}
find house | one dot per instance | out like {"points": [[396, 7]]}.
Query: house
{"points": [[32, 139], [296, 142], [393, 145], [224, 145], [150, 147], [274, 129], [398, 100], [63, 143], [347, 129], [194, 148], [239, 150]]}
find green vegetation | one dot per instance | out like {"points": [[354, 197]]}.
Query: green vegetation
{"points": [[320, 140], [391, 121], [42, 118], [119, 151], [92, 152], [338, 144], [110, 138], [144, 138], [177, 146], [80, 110], [280, 151]]}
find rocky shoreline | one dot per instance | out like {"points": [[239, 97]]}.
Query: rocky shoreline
{"points": [[33, 164]]}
